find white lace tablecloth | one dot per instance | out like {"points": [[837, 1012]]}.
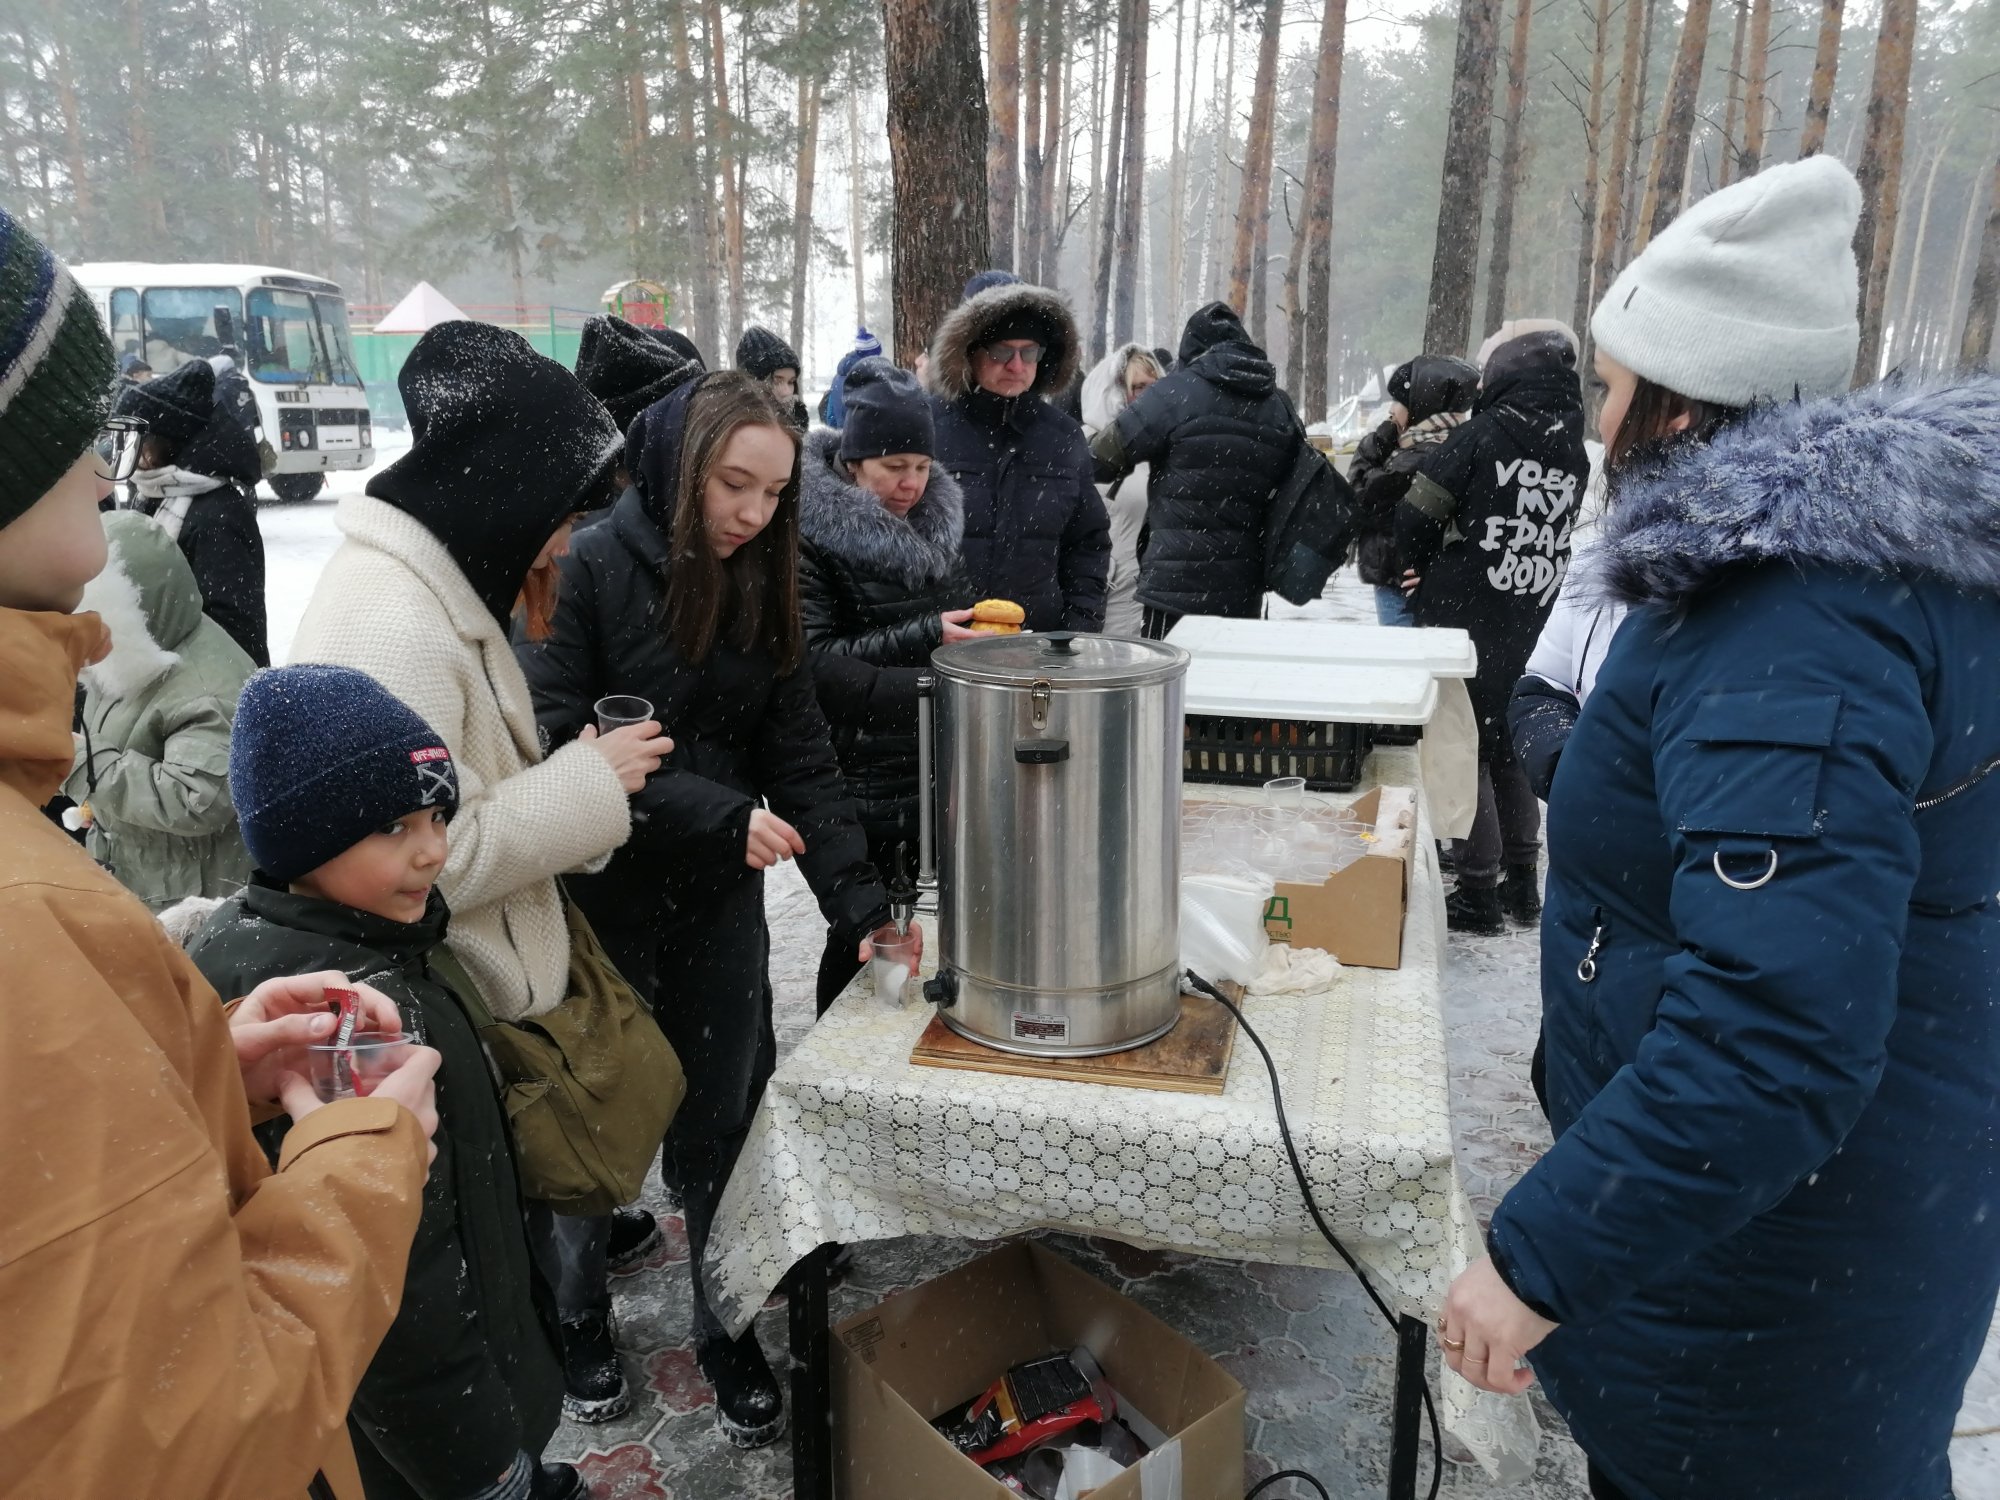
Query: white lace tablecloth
{"points": [[852, 1143]]}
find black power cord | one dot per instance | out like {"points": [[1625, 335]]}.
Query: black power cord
{"points": [[1270, 1479], [1319, 1221]]}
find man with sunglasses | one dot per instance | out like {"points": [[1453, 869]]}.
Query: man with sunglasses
{"points": [[1035, 527]]}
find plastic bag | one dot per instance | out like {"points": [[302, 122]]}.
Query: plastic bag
{"points": [[1222, 925]]}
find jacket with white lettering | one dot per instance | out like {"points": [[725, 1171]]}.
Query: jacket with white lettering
{"points": [[1486, 520]]}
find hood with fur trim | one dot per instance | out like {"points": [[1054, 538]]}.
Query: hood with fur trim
{"points": [[1895, 479], [147, 598], [838, 516], [978, 319]]}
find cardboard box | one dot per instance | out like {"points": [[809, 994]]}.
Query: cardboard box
{"points": [[1356, 914], [923, 1351]]}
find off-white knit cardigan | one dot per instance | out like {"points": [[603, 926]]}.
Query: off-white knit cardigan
{"points": [[391, 602]]}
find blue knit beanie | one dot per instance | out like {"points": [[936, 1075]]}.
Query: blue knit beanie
{"points": [[320, 758]]}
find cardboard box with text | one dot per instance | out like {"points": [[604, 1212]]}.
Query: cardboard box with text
{"points": [[1357, 913]]}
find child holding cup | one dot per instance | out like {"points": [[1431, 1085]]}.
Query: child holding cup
{"points": [[344, 795]]}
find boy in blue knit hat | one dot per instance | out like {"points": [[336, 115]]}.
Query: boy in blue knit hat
{"points": [[345, 796]]}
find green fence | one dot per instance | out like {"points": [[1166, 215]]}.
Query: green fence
{"points": [[380, 356]]}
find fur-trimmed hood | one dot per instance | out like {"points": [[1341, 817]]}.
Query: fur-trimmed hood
{"points": [[973, 322], [147, 598], [1896, 479], [839, 517]]}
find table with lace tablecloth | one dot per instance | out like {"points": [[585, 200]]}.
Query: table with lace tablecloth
{"points": [[851, 1142]]}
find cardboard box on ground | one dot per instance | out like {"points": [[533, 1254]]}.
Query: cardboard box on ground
{"points": [[1357, 913], [924, 1351]]}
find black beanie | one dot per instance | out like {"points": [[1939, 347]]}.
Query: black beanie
{"points": [[320, 757], [887, 412], [505, 444], [176, 405], [762, 353], [680, 343], [626, 370]]}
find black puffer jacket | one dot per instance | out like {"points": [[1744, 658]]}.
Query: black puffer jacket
{"points": [[1486, 520], [467, 1375], [1221, 438], [1035, 528], [743, 733], [872, 586]]}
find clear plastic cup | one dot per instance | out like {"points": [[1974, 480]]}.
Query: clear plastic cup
{"points": [[619, 710], [352, 1071], [894, 966], [1286, 792]]}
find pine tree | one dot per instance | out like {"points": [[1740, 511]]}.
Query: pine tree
{"points": [[1455, 257]]}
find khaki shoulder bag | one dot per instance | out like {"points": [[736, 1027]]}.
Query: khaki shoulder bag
{"points": [[589, 1088]]}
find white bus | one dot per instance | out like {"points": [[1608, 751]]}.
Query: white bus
{"points": [[297, 352]]}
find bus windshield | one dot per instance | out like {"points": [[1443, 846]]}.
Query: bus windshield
{"points": [[286, 345], [339, 344], [180, 323]]}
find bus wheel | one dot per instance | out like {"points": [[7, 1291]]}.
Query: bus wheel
{"points": [[297, 487]]}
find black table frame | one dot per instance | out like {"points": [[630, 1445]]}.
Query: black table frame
{"points": [[812, 1387]]}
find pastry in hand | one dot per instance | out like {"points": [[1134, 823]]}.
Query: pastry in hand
{"points": [[997, 617]]}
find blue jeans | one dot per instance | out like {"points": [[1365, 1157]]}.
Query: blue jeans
{"points": [[1391, 608]]}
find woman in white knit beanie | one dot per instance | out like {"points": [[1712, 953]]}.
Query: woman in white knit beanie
{"points": [[1762, 1255]]}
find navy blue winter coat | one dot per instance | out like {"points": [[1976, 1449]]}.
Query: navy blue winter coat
{"points": [[1770, 1223], [1036, 530]]}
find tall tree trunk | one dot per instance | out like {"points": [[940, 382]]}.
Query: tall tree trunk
{"points": [[1881, 174], [1975, 347], [1914, 259], [1260, 271], [1826, 62], [638, 121], [802, 195], [503, 177], [148, 197], [1498, 266], [1132, 180], [732, 197], [1254, 205], [1055, 103], [1029, 259], [1455, 257], [702, 256], [857, 194], [1635, 187], [1177, 173], [1292, 294], [1114, 165], [1666, 182], [1732, 120], [1617, 181], [937, 156], [1095, 229], [1956, 294], [1003, 150], [74, 162], [1322, 152], [1757, 106], [1593, 174], [1225, 126]]}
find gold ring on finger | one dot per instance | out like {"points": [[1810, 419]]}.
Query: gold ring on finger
{"points": [[1454, 1345]]}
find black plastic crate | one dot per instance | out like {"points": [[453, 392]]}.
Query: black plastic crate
{"points": [[1249, 752]]}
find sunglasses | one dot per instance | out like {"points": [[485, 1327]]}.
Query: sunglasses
{"points": [[117, 448], [1027, 354]]}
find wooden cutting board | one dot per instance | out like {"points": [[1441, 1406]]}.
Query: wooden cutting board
{"points": [[1193, 1058]]}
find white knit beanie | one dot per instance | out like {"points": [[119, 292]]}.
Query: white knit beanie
{"points": [[1749, 295]]}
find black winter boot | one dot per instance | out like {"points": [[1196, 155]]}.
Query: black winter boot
{"points": [[593, 1380], [749, 1410], [1474, 909], [635, 1234], [1521, 896]]}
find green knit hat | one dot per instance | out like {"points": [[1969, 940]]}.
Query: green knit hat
{"points": [[55, 369]]}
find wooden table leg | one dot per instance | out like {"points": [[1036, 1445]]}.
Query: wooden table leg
{"points": [[1405, 1435], [812, 1377]]}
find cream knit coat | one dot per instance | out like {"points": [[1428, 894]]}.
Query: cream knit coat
{"points": [[391, 602]]}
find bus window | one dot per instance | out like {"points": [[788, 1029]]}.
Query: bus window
{"points": [[125, 335], [285, 340], [180, 323], [339, 343]]}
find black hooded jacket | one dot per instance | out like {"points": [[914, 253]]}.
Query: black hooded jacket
{"points": [[872, 587], [1485, 522], [1384, 459], [1036, 531], [1221, 438], [505, 444], [744, 733], [467, 1375]]}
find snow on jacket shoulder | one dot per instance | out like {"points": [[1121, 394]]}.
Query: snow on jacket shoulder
{"points": [[142, 1217], [391, 602], [154, 766], [1768, 1208], [1035, 528]]}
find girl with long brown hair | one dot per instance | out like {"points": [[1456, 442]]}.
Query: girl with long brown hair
{"points": [[688, 596]]}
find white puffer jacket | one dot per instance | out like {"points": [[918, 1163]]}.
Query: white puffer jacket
{"points": [[391, 602]]}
